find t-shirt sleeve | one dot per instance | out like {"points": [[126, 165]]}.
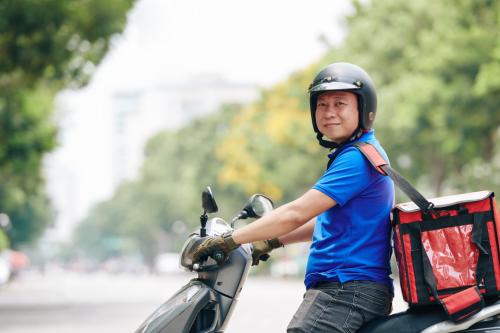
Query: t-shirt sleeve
{"points": [[348, 176]]}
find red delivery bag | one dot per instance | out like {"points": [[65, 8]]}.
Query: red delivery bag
{"points": [[446, 248]]}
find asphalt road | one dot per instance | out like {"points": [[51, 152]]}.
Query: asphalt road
{"points": [[67, 302]]}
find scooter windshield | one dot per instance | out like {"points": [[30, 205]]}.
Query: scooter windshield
{"points": [[217, 226]]}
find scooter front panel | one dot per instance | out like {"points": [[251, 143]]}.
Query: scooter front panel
{"points": [[230, 277], [180, 311]]}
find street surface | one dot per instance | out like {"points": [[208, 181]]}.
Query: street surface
{"points": [[69, 302]]}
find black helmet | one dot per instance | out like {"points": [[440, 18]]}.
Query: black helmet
{"points": [[345, 77]]}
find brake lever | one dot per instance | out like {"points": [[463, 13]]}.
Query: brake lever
{"points": [[210, 263]]}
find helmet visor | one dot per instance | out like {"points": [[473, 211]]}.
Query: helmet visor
{"points": [[327, 86]]}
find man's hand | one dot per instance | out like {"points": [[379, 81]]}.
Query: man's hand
{"points": [[219, 244], [262, 248]]}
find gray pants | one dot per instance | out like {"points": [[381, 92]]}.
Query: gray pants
{"points": [[336, 307]]}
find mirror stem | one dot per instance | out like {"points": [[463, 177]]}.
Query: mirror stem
{"points": [[234, 220], [203, 221], [242, 215]]}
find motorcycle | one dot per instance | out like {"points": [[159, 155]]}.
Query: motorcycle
{"points": [[205, 304]]}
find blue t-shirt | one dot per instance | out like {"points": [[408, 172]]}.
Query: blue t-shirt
{"points": [[351, 241]]}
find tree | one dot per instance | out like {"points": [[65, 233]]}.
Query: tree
{"points": [[45, 45], [434, 64]]}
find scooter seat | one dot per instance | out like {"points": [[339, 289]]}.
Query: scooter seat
{"points": [[417, 319], [410, 321]]}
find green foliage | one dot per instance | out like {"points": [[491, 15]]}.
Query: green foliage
{"points": [[30, 218], [45, 45], [4, 241], [57, 41]]}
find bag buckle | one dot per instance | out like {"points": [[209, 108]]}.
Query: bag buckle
{"points": [[429, 211]]}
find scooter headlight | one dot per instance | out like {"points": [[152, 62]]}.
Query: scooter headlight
{"points": [[186, 258]]}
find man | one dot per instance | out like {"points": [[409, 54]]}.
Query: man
{"points": [[346, 213]]}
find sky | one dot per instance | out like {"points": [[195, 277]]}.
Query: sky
{"points": [[260, 41], [257, 42]]}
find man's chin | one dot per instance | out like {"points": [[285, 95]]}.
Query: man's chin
{"points": [[335, 140]]}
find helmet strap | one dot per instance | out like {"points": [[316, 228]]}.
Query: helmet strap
{"points": [[325, 143], [333, 145]]}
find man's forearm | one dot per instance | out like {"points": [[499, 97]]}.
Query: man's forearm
{"points": [[274, 224], [286, 219], [302, 234]]}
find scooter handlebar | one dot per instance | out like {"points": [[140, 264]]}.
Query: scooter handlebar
{"points": [[213, 261], [264, 257], [219, 256]]}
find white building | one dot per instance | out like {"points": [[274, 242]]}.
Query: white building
{"points": [[137, 116]]}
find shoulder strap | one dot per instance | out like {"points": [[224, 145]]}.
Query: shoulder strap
{"points": [[383, 167]]}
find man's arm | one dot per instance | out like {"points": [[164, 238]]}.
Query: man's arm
{"points": [[286, 219], [301, 234]]}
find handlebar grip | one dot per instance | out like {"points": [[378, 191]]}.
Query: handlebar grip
{"points": [[219, 256], [264, 257]]}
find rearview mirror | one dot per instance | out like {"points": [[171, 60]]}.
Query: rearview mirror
{"points": [[258, 205], [208, 201]]}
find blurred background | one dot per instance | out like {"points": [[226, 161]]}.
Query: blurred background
{"points": [[115, 115]]}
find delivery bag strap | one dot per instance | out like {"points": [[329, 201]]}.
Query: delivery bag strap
{"points": [[383, 167]]}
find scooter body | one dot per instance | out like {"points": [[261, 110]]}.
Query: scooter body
{"points": [[206, 303]]}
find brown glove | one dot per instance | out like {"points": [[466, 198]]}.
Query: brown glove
{"points": [[262, 248], [215, 247]]}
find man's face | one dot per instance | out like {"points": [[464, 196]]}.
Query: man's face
{"points": [[337, 115]]}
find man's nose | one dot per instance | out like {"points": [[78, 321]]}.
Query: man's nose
{"points": [[330, 112]]}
